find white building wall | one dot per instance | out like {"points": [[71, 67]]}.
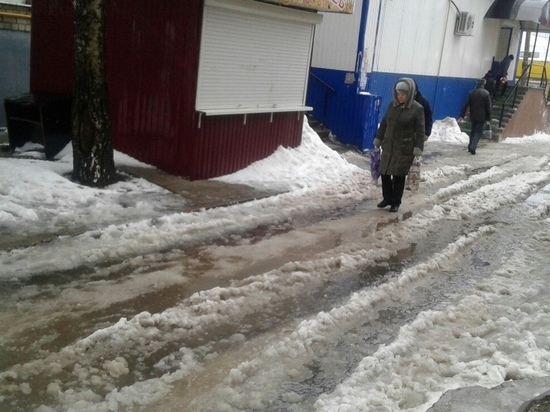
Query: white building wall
{"points": [[417, 37], [336, 40], [471, 56], [413, 37], [408, 38]]}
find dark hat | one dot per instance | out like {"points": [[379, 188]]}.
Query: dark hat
{"points": [[402, 87], [480, 82]]}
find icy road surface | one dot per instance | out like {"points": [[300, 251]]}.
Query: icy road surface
{"points": [[313, 300]]}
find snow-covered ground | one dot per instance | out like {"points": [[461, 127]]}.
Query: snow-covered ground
{"points": [[311, 300]]}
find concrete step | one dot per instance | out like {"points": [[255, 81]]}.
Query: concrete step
{"points": [[324, 134], [496, 131], [323, 131]]}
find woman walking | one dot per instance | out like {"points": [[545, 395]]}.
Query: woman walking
{"points": [[401, 137]]}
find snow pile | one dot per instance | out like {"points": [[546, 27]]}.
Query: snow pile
{"points": [[292, 169], [448, 130]]}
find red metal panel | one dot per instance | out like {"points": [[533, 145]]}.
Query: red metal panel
{"points": [[225, 144], [152, 67], [153, 50], [52, 54]]}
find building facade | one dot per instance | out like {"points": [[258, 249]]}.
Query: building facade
{"points": [[442, 44]]}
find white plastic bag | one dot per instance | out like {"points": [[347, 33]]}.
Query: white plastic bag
{"points": [[487, 132], [413, 177]]}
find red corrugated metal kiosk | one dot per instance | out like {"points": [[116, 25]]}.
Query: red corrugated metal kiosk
{"points": [[198, 88]]}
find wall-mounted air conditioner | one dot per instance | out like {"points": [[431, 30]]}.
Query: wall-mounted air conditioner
{"points": [[464, 24]]}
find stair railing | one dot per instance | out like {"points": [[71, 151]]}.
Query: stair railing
{"points": [[326, 86], [513, 94], [543, 78]]}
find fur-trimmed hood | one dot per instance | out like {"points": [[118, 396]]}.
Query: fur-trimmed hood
{"points": [[410, 95]]}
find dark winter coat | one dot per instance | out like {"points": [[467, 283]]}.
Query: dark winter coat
{"points": [[490, 83], [479, 103], [505, 65], [428, 115], [401, 130]]}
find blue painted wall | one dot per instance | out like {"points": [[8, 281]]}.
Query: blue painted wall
{"points": [[445, 94], [353, 117]]}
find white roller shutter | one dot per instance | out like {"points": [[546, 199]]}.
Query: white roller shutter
{"points": [[254, 58]]}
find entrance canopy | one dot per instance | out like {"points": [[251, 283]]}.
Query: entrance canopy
{"points": [[533, 16], [532, 11]]}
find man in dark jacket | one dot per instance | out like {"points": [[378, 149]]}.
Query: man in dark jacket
{"points": [[479, 103], [401, 137], [428, 115], [502, 78], [490, 84]]}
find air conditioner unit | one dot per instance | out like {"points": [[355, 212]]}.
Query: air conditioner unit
{"points": [[464, 24]]}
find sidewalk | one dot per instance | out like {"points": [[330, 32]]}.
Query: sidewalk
{"points": [[210, 193], [199, 194]]}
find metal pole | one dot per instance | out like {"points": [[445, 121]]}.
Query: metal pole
{"points": [[545, 60], [533, 54]]}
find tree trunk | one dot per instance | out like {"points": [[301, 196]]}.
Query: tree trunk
{"points": [[93, 163]]}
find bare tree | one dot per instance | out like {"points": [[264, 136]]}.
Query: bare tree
{"points": [[93, 163]]}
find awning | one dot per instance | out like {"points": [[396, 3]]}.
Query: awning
{"points": [[536, 11]]}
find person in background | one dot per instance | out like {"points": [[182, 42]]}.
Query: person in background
{"points": [[428, 119], [502, 78], [401, 138], [479, 103], [490, 84], [428, 115], [503, 83]]}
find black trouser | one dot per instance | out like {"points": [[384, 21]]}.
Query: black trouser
{"points": [[392, 188], [475, 135]]}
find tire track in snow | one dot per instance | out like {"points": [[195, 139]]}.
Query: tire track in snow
{"points": [[151, 236], [262, 377], [480, 323]]}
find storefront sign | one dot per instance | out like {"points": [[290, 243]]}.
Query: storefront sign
{"points": [[337, 6]]}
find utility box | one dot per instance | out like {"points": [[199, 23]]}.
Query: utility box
{"points": [[464, 24], [371, 113], [354, 119]]}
